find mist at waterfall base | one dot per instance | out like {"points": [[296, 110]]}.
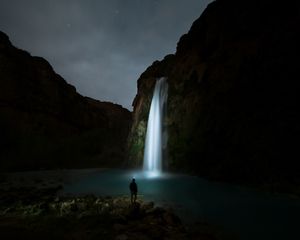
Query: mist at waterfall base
{"points": [[156, 136]]}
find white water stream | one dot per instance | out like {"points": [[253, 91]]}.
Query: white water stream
{"points": [[155, 138]]}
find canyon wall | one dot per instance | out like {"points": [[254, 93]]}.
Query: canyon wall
{"points": [[45, 123], [233, 113]]}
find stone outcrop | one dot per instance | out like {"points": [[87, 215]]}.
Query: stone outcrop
{"points": [[233, 113], [38, 214], [45, 123]]}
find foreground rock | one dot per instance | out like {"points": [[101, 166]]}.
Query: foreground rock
{"points": [[45, 123], [232, 109], [43, 215]]}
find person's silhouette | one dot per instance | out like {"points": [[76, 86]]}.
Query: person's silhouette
{"points": [[133, 189]]}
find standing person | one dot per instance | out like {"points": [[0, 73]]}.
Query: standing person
{"points": [[133, 189]]}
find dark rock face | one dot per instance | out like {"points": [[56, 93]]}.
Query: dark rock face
{"points": [[45, 216], [45, 123], [232, 109]]}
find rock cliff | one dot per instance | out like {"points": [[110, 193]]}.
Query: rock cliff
{"points": [[233, 112], [45, 123]]}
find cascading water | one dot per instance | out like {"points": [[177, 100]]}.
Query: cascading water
{"points": [[155, 137]]}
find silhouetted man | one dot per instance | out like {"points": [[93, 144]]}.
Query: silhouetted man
{"points": [[133, 189]]}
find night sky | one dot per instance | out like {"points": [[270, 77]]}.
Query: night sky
{"points": [[100, 47]]}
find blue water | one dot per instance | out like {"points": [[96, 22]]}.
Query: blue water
{"points": [[248, 213]]}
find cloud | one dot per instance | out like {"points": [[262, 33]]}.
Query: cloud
{"points": [[100, 47]]}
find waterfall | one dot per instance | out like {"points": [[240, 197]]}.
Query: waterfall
{"points": [[155, 137]]}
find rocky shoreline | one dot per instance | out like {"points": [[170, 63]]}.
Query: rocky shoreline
{"points": [[35, 213]]}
